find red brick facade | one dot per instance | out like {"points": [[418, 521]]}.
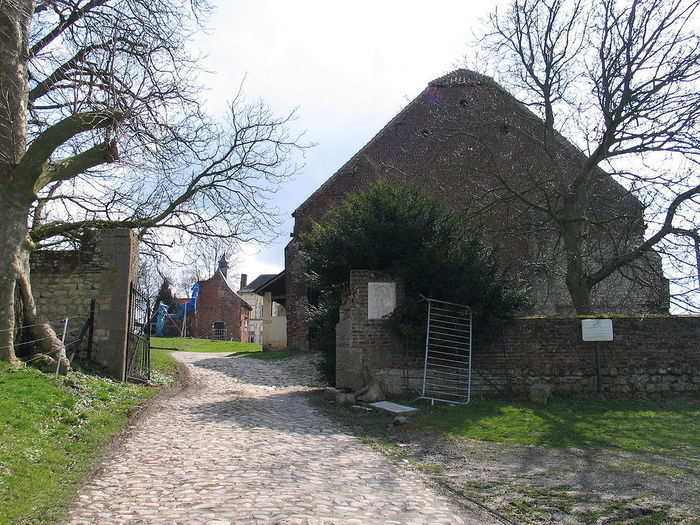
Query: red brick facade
{"points": [[221, 313]]}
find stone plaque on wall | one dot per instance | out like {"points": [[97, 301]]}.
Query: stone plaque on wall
{"points": [[597, 329], [381, 299]]}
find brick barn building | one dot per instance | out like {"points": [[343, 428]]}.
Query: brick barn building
{"points": [[460, 139]]}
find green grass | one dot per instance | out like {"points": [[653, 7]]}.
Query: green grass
{"points": [[669, 425], [204, 345], [53, 431]]}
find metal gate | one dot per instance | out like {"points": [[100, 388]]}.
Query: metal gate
{"points": [[138, 354], [447, 374]]}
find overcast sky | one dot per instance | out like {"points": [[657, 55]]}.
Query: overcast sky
{"points": [[348, 67]]}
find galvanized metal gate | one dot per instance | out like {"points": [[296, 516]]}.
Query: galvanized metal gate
{"points": [[447, 374], [138, 354]]}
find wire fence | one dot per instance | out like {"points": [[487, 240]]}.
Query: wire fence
{"points": [[73, 327], [62, 319]]}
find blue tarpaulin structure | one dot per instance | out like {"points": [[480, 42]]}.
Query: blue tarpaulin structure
{"points": [[189, 307]]}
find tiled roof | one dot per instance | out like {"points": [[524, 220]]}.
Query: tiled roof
{"points": [[257, 282]]}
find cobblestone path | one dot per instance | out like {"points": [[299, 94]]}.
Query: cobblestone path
{"points": [[243, 445]]}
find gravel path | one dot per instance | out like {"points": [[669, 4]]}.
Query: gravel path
{"points": [[242, 444]]}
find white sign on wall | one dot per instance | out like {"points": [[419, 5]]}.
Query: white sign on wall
{"points": [[597, 329], [381, 299]]}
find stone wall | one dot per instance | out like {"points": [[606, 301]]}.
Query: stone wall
{"points": [[64, 283]]}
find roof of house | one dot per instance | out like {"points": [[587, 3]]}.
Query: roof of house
{"points": [[218, 275], [271, 284], [257, 282]]}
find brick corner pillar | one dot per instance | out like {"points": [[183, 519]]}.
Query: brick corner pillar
{"points": [[296, 299]]}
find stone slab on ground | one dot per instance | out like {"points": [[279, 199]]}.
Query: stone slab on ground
{"points": [[395, 409]]}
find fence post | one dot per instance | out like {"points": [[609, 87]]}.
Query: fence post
{"points": [[91, 329], [63, 342], [148, 339]]}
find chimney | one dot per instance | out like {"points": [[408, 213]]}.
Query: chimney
{"points": [[223, 266], [244, 280]]}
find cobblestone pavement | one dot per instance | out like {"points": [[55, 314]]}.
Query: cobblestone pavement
{"points": [[243, 445]]}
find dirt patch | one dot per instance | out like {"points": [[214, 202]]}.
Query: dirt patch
{"points": [[540, 485], [546, 485]]}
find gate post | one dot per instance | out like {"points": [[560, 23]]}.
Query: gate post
{"points": [[119, 253]]}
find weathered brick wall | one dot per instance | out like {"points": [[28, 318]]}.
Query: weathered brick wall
{"points": [[64, 282], [296, 301], [459, 142], [648, 353], [363, 345]]}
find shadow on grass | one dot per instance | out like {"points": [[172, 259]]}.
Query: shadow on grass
{"points": [[666, 425]]}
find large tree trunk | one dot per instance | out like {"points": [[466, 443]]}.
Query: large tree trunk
{"points": [[15, 248], [13, 140], [580, 292], [17, 189], [13, 236]]}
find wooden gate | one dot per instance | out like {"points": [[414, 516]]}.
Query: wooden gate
{"points": [[138, 354]]}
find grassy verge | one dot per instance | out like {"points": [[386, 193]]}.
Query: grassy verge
{"points": [[208, 345], [664, 425], [53, 431], [668, 425], [163, 367], [204, 345]]}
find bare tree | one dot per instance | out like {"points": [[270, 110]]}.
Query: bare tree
{"points": [[620, 79], [100, 127], [201, 259]]}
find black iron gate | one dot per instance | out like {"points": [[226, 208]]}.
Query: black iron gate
{"points": [[138, 354]]}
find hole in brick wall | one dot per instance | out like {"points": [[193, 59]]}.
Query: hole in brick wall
{"points": [[505, 129], [464, 103], [425, 132]]}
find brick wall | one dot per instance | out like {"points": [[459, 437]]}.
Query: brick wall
{"points": [[363, 346], [648, 353], [459, 143], [64, 282], [296, 301]]}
